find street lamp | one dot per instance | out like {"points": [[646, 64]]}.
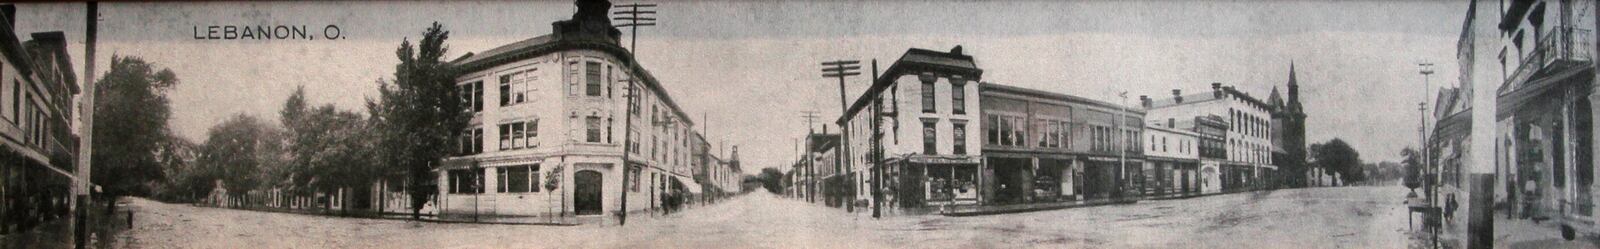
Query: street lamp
{"points": [[1122, 150]]}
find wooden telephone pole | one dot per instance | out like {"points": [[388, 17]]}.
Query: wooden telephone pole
{"points": [[841, 69]]}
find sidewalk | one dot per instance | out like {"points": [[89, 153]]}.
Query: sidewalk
{"points": [[1521, 233], [58, 233], [978, 210], [569, 220]]}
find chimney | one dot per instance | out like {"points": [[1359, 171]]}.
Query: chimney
{"points": [[1145, 101], [1216, 89], [956, 50], [1177, 95], [10, 12]]}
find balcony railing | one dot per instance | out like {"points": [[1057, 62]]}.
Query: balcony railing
{"points": [[1564, 44]]}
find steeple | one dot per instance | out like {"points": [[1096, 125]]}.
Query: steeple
{"points": [[1275, 100], [1294, 91]]}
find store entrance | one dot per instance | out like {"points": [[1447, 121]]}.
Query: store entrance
{"points": [[1011, 179]]}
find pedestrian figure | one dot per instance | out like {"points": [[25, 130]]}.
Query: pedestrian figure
{"points": [[1511, 200], [1450, 209], [1529, 197]]}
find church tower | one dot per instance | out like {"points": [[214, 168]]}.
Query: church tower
{"points": [[1291, 122]]}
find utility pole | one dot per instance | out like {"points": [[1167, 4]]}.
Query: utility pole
{"points": [[1422, 132], [86, 129], [1122, 150], [877, 150], [840, 69], [805, 154], [635, 16], [627, 148]]}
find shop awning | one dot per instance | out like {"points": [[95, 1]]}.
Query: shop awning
{"points": [[1514, 99], [686, 183]]}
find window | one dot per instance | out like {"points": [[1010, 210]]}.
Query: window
{"points": [[471, 141], [633, 180], [1004, 125], [927, 97], [572, 77], [466, 96], [959, 135], [519, 135], [958, 98], [500, 177], [610, 79], [16, 102], [633, 105], [593, 129], [517, 87], [505, 90], [519, 179], [994, 128], [1019, 131], [466, 181], [930, 137], [592, 78], [477, 96]]}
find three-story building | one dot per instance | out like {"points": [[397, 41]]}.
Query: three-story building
{"points": [[37, 148], [1247, 143], [916, 122], [551, 119]]}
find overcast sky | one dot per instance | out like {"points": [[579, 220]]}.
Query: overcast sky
{"points": [[752, 67]]}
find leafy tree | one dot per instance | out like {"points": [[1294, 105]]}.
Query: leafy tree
{"points": [[329, 149], [1413, 167], [1337, 156], [131, 112], [419, 113], [233, 153], [769, 178]]}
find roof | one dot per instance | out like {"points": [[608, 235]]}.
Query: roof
{"points": [[551, 43], [914, 60], [1196, 98], [12, 49], [56, 43], [992, 87], [822, 142]]}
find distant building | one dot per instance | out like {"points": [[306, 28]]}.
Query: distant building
{"points": [[1248, 139], [1288, 131], [1172, 160], [1041, 147], [1211, 132]]}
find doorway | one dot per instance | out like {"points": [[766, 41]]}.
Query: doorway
{"points": [[586, 192]]}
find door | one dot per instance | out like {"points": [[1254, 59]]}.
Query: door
{"points": [[586, 194]]}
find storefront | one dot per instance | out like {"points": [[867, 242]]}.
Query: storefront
{"points": [[925, 180]]}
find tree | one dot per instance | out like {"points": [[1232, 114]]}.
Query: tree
{"points": [[769, 178], [1413, 167], [131, 115], [328, 148], [233, 152], [419, 113], [1337, 156]]}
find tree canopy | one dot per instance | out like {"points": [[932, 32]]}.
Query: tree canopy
{"points": [[130, 125], [419, 112], [1337, 156]]}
